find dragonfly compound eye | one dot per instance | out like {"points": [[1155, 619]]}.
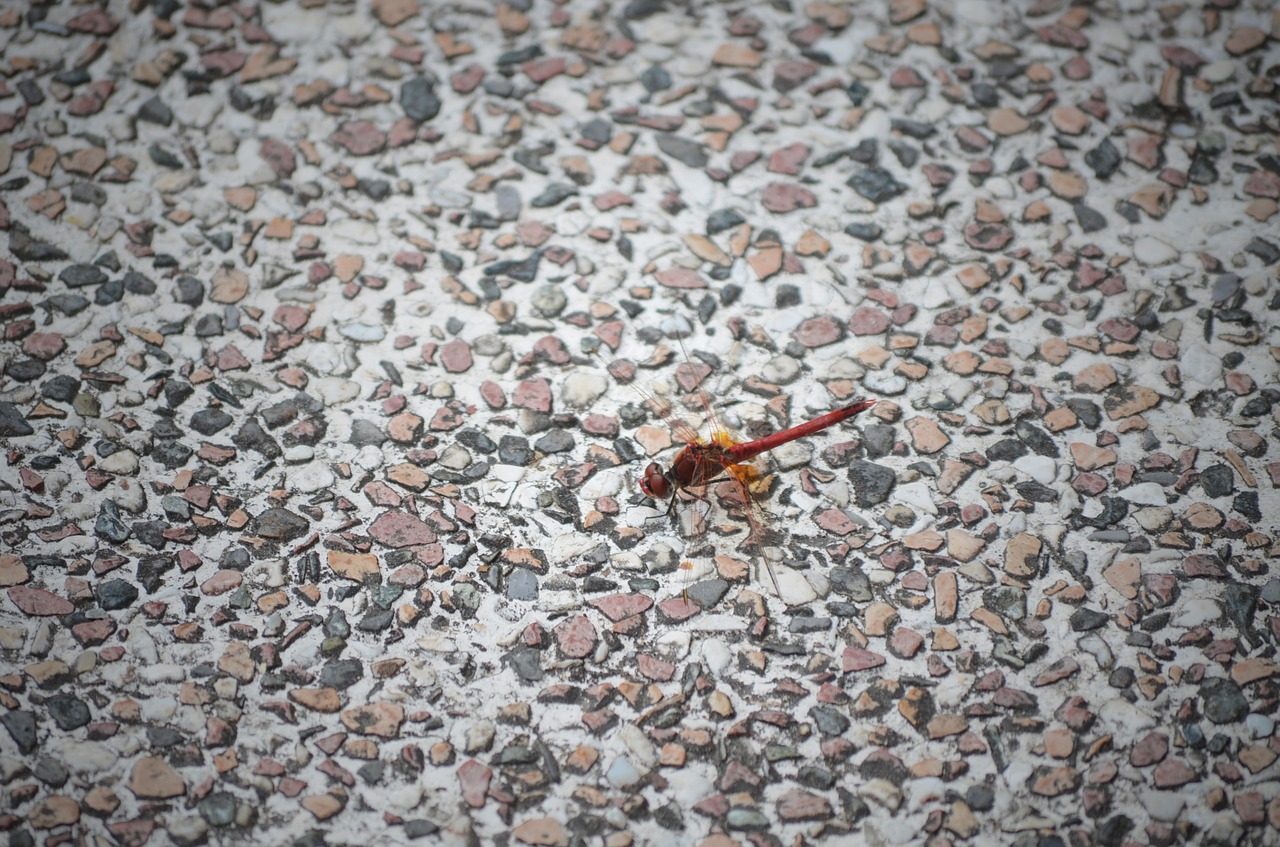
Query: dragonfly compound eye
{"points": [[654, 484]]}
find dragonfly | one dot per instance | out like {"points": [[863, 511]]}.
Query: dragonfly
{"points": [[719, 456]]}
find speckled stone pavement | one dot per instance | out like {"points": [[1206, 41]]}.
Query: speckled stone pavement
{"points": [[318, 516]]}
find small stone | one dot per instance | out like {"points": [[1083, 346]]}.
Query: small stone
{"points": [[54, 811], [325, 700], [325, 806], [926, 436], [876, 184], [1174, 773], [1086, 620], [21, 726], [280, 524], [37, 602], [1104, 159], [1095, 378], [1007, 122], [400, 529], [800, 805], [218, 809], [357, 567], [237, 662], [617, 607], [229, 286], [12, 422], [1224, 702], [684, 150], [736, 56], [782, 197], [1245, 39], [152, 778], [474, 778], [872, 482], [378, 719], [868, 320], [542, 831], [576, 637], [419, 100], [1054, 782]]}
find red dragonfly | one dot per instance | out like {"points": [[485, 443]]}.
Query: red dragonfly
{"points": [[719, 456]]}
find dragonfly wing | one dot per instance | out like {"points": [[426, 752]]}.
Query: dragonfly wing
{"points": [[681, 430], [694, 516], [624, 372], [744, 491]]}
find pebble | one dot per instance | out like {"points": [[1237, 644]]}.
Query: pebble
{"points": [[363, 332], [792, 588], [1153, 252], [876, 184], [622, 774], [154, 779]]}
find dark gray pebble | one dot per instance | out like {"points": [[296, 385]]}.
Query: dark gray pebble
{"points": [[419, 100], [114, 594], [871, 482], [68, 712], [1087, 620], [875, 184]]}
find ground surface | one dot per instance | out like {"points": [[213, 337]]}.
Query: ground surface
{"points": [[319, 520]]}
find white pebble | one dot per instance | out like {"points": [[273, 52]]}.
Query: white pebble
{"points": [[1163, 805], [363, 332], [1260, 726], [882, 792], [120, 462], [1124, 718], [1097, 647], [312, 478], [82, 757], [717, 655], [1200, 365], [622, 774], [958, 391], [1040, 468], [793, 588], [369, 458], [1146, 494], [129, 495], [333, 390], [455, 457], [639, 745], [1216, 72], [1197, 612], [1153, 519], [479, 737], [781, 370], [354, 231], [917, 496], [885, 384], [584, 388], [164, 672], [1152, 252], [299, 454]]}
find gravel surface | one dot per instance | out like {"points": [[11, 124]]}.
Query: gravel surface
{"points": [[319, 518]]}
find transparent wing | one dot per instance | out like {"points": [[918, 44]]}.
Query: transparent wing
{"points": [[742, 489], [744, 492], [623, 371]]}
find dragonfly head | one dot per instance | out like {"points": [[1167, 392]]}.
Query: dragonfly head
{"points": [[654, 483]]}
